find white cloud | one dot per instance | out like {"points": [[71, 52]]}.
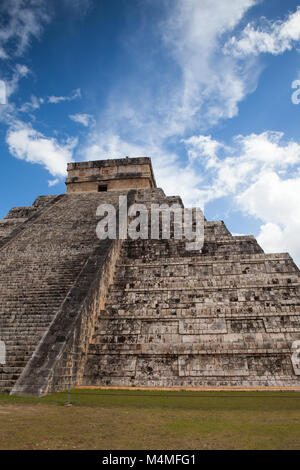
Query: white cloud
{"points": [[271, 237], [7, 88], [20, 71], [31, 105], [53, 182], [24, 21], [21, 21], [272, 198], [3, 96], [276, 202], [204, 146], [58, 99], [84, 119], [249, 157], [32, 146], [271, 37], [261, 175], [212, 84]]}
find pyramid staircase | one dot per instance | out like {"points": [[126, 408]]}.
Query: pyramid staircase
{"points": [[76, 309]]}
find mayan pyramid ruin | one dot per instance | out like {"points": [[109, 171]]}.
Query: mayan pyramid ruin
{"points": [[145, 312]]}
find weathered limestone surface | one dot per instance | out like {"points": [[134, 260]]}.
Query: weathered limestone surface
{"points": [[225, 317]]}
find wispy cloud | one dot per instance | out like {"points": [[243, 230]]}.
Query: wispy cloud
{"points": [[31, 105], [53, 182], [84, 119], [58, 99], [212, 84], [267, 37], [22, 21], [19, 71], [9, 86], [3, 96], [211, 80]]}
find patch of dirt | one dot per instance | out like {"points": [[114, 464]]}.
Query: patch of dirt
{"points": [[6, 409]]}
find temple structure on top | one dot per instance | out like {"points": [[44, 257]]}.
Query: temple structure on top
{"points": [[110, 175]]}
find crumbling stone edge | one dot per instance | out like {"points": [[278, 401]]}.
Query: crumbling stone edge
{"points": [[60, 357]]}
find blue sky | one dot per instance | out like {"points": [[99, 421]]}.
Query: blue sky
{"points": [[203, 87]]}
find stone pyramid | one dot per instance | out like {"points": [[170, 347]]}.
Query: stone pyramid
{"points": [[76, 309]]}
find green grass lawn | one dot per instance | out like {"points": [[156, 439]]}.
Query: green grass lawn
{"points": [[118, 419]]}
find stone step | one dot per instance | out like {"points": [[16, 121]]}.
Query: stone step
{"points": [[28, 317], [16, 337], [199, 271], [186, 297], [31, 330], [177, 282], [274, 258], [195, 309], [10, 371]]}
